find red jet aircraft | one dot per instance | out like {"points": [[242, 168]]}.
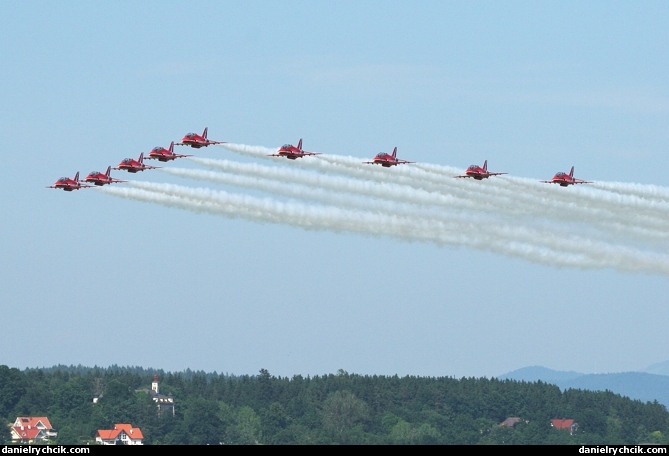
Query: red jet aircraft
{"points": [[292, 152], [67, 184], [164, 155], [387, 160], [564, 179], [133, 166], [196, 141], [479, 172], [98, 178]]}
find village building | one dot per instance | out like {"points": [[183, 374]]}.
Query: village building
{"points": [[122, 434], [510, 422], [164, 403], [31, 429], [565, 424]]}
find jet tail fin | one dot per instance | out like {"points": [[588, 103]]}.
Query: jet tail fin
{"points": [[395, 152], [485, 165], [141, 157], [204, 133], [172, 147], [299, 144], [571, 173], [108, 172], [76, 177]]}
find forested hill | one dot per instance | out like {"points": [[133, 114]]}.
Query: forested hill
{"points": [[328, 409]]}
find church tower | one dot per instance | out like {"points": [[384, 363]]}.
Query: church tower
{"points": [[154, 384]]}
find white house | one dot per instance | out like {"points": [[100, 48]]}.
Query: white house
{"points": [[122, 434]]}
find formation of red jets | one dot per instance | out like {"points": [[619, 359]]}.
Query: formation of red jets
{"points": [[132, 165], [288, 151], [387, 160]]}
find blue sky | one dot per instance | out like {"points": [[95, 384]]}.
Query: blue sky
{"points": [[95, 279]]}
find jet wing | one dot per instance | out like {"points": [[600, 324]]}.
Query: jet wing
{"points": [[73, 187]]}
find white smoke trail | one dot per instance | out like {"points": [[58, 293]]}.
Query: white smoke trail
{"points": [[521, 195], [381, 190], [527, 191], [531, 191], [609, 224], [508, 240], [644, 200], [652, 192], [350, 166], [360, 200], [306, 188], [251, 151]]}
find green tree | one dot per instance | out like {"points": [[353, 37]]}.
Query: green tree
{"points": [[69, 397], [403, 433], [655, 438], [388, 420], [275, 420], [67, 436], [12, 388], [499, 435], [426, 434], [202, 422], [248, 427], [35, 400], [614, 428], [117, 403], [342, 411], [5, 434]]}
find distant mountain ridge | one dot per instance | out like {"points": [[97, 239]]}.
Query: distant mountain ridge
{"points": [[658, 368], [536, 373], [644, 386]]}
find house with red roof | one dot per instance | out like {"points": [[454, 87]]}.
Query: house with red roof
{"points": [[29, 429], [122, 434], [566, 424]]}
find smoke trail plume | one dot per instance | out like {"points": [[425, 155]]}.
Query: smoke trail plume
{"points": [[534, 244], [642, 227]]}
